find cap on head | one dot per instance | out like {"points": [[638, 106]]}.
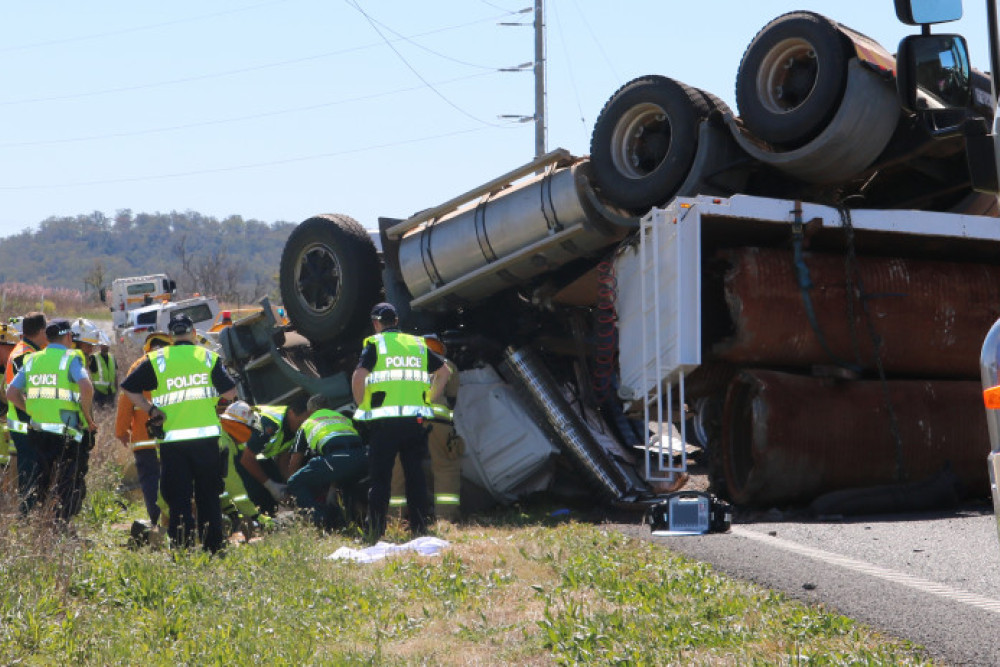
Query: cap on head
{"points": [[384, 312], [57, 329], [180, 324], [154, 340]]}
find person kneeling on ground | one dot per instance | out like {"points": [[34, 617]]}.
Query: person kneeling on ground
{"points": [[263, 463], [236, 504], [327, 452]]}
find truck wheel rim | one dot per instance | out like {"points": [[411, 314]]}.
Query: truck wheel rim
{"points": [[641, 140], [787, 75], [317, 278]]}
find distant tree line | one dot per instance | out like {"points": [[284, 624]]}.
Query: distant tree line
{"points": [[235, 260]]}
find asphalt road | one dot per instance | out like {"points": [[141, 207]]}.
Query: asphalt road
{"points": [[931, 578]]}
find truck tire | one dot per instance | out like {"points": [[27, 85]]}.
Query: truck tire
{"points": [[792, 77], [715, 103], [329, 277], [644, 141]]}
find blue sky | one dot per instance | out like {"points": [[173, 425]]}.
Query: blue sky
{"points": [[281, 109]]}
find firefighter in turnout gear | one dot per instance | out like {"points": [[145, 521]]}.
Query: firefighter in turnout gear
{"points": [[390, 386], [446, 450], [53, 388], [185, 382], [130, 429], [32, 340], [237, 427], [328, 454]]}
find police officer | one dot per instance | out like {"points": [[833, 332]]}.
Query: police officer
{"points": [[53, 388], [446, 449], [32, 340], [327, 452], [390, 386], [185, 382]]}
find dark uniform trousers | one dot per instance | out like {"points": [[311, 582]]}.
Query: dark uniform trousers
{"points": [[60, 472], [186, 467], [407, 437]]}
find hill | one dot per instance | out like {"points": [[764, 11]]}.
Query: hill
{"points": [[233, 259]]}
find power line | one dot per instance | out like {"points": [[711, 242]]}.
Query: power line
{"points": [[569, 64], [432, 51], [234, 119], [600, 46], [242, 70], [415, 72], [254, 165]]}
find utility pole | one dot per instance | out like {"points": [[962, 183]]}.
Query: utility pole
{"points": [[539, 79], [539, 70]]}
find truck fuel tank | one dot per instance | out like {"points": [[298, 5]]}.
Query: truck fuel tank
{"points": [[506, 238]]}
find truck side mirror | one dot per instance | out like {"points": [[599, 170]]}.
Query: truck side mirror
{"points": [[933, 73], [103, 293], [922, 12]]}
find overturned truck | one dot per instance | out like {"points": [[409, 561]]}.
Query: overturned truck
{"points": [[801, 289]]}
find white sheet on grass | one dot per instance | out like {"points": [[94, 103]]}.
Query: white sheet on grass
{"points": [[427, 546]]}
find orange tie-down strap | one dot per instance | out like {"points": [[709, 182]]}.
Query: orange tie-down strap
{"points": [[991, 397]]}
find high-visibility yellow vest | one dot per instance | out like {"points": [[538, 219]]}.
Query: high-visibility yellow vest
{"points": [[49, 391], [280, 442], [24, 347], [185, 392], [400, 372], [105, 380], [325, 425]]}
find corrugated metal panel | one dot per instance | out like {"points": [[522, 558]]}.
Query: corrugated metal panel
{"points": [[931, 316], [789, 438]]}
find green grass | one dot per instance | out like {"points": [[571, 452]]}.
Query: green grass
{"points": [[514, 588]]}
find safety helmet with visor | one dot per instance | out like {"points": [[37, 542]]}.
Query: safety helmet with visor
{"points": [[85, 331], [237, 420]]}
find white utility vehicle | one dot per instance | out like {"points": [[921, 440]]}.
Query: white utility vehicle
{"points": [[127, 294], [202, 310]]}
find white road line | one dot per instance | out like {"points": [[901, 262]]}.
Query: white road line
{"points": [[916, 583]]}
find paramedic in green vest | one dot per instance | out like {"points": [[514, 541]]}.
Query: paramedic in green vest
{"points": [[104, 372], [263, 460], [185, 382], [393, 388], [327, 452], [53, 388]]}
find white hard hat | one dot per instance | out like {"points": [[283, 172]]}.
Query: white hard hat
{"points": [[238, 411], [85, 331]]}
